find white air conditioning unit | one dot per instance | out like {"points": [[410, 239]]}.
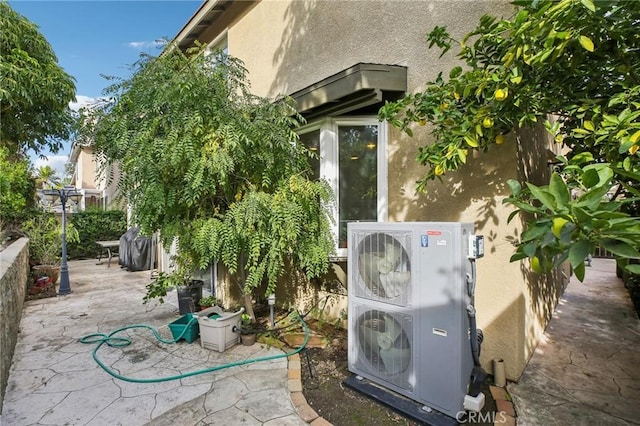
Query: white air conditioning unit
{"points": [[408, 296]]}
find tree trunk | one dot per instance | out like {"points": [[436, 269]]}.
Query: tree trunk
{"points": [[246, 297], [248, 307]]}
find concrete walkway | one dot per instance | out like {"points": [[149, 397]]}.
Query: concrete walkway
{"points": [[55, 381], [586, 370]]}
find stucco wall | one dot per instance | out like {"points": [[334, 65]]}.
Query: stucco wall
{"points": [[87, 168], [14, 271], [288, 45]]}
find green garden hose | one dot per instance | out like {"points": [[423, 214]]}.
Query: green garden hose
{"points": [[110, 340]]}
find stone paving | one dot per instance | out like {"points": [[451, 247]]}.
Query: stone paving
{"points": [[586, 370], [55, 381]]}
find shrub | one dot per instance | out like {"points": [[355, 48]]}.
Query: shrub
{"points": [[95, 225], [17, 189]]}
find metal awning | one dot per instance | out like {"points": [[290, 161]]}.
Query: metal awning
{"points": [[354, 88]]}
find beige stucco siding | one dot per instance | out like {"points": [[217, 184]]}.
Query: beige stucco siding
{"points": [[87, 168], [288, 45]]}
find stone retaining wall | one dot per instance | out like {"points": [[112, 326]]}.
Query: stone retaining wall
{"points": [[14, 272]]}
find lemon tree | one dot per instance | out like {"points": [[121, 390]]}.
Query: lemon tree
{"points": [[574, 60]]}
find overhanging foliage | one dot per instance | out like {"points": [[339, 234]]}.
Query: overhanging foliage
{"points": [[575, 60], [204, 160], [35, 91]]}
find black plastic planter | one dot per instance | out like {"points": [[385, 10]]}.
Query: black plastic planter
{"points": [[189, 297]]}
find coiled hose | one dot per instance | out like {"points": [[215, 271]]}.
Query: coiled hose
{"points": [[110, 340]]}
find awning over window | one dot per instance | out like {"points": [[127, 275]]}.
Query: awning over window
{"points": [[354, 88]]}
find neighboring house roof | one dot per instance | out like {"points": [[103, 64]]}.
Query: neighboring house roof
{"points": [[211, 18], [76, 148]]}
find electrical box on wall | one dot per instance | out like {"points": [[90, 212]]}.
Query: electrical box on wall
{"points": [[476, 246]]}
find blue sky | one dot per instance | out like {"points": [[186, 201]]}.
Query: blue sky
{"points": [[91, 38]]}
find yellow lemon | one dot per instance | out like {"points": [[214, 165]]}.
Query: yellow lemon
{"points": [[558, 224], [535, 264], [501, 94], [422, 122], [444, 106], [487, 122], [499, 140], [456, 95], [633, 149], [438, 170]]}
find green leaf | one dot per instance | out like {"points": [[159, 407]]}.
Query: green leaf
{"points": [[579, 271], [580, 214], [590, 200], [620, 248], [590, 178], [471, 142], [518, 256], [535, 231], [587, 43], [529, 249], [559, 190], [589, 5], [633, 268], [579, 251], [515, 186], [542, 195], [455, 72], [512, 215], [581, 158]]}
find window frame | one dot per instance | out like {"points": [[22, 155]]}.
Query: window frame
{"points": [[330, 167]]}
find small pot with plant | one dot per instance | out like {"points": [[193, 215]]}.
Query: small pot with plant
{"points": [[207, 302], [45, 246], [247, 331]]}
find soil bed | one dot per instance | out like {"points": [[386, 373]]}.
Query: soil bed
{"points": [[324, 370]]}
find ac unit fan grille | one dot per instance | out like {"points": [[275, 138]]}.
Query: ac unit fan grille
{"points": [[384, 269], [385, 347]]}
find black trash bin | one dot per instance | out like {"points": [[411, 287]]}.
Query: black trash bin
{"points": [[189, 297]]}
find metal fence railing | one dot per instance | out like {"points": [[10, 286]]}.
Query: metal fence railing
{"points": [[602, 253]]}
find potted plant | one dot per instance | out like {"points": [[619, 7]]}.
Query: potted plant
{"points": [[189, 290], [45, 245], [247, 332], [207, 302]]}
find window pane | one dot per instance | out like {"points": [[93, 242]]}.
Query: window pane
{"points": [[358, 164], [312, 141]]}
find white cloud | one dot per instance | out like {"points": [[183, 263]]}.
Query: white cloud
{"points": [[56, 162], [81, 101], [141, 45]]}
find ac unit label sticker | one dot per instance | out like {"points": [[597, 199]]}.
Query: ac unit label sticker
{"points": [[424, 240]]}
